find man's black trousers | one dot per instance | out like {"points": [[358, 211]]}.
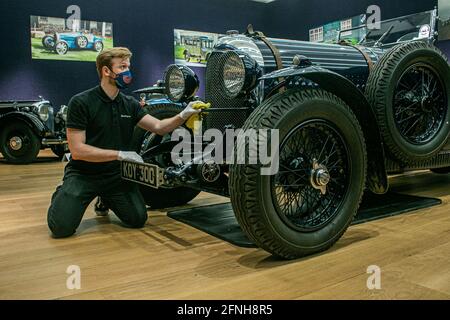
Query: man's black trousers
{"points": [[70, 200]]}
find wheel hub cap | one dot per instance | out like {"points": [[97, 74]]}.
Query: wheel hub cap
{"points": [[15, 143], [60, 47], [320, 177], [426, 104], [210, 171]]}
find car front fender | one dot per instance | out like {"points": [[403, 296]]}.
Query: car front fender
{"points": [[30, 119]]}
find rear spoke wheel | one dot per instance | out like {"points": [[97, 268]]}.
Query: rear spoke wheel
{"points": [[420, 104]]}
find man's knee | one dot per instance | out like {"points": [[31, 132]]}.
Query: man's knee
{"points": [[129, 207], [134, 216], [61, 230], [64, 214], [138, 219]]}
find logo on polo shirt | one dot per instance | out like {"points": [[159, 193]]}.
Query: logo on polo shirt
{"points": [[125, 116]]}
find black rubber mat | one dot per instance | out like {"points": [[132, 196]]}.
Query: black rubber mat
{"points": [[218, 220]]}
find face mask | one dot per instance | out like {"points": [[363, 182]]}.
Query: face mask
{"points": [[123, 79]]}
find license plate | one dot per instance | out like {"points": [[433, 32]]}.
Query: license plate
{"points": [[144, 173]]}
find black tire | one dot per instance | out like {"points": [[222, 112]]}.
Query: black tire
{"points": [[98, 46], [48, 42], [414, 125], [252, 194], [161, 198], [81, 42], [18, 143], [60, 150], [444, 170]]}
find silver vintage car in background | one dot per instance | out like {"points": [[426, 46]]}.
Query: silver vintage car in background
{"points": [[27, 126]]}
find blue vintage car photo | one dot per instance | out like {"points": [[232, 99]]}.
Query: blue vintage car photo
{"points": [[63, 42]]}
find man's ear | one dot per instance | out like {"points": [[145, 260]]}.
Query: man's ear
{"points": [[105, 71]]}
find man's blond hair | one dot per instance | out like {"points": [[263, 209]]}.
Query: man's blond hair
{"points": [[104, 59]]}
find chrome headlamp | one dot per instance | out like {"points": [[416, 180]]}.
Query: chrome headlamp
{"points": [[43, 111], [181, 82], [240, 73], [63, 112]]}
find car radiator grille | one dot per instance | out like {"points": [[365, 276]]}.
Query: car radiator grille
{"points": [[215, 94]]}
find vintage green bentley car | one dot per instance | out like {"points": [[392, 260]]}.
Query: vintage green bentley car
{"points": [[347, 117]]}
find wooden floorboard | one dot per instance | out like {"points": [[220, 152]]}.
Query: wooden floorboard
{"points": [[170, 260]]}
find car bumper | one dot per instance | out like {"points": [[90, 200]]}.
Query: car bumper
{"points": [[48, 142]]}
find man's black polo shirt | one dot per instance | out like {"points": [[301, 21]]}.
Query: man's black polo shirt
{"points": [[109, 124]]}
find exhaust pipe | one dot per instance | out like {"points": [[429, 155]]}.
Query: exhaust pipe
{"points": [[46, 141]]}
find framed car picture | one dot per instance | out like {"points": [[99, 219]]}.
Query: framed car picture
{"points": [[328, 33], [68, 39], [192, 48]]}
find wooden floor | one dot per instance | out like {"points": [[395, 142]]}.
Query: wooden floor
{"points": [[169, 260]]}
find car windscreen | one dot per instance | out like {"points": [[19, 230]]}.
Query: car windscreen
{"points": [[407, 28]]}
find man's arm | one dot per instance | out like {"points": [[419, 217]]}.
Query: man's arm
{"points": [[164, 126], [81, 151], [160, 127]]}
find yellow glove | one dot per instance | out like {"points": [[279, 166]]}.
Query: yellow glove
{"points": [[194, 121]]}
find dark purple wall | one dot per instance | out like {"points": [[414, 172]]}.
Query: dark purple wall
{"points": [[445, 47], [146, 27]]}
